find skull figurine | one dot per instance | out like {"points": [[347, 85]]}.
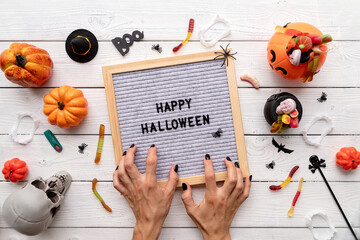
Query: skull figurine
{"points": [[31, 209]]}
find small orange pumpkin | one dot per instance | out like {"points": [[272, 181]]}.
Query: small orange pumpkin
{"points": [[26, 65], [281, 43], [65, 106], [348, 158], [15, 170]]}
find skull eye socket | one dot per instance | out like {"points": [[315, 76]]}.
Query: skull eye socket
{"points": [[273, 56], [281, 69], [53, 196], [39, 184]]}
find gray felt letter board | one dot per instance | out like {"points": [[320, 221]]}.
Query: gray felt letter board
{"points": [[186, 105]]}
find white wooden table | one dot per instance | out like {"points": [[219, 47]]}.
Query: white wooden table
{"points": [[47, 24]]}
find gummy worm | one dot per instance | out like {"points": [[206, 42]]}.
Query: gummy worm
{"points": [[250, 79], [100, 143], [94, 182], [291, 210], [287, 180], [190, 30]]}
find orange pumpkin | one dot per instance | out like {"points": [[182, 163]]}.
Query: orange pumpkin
{"points": [[65, 106], [348, 158], [279, 47], [15, 170], [26, 65]]}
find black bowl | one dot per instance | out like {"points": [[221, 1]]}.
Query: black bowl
{"points": [[274, 101]]}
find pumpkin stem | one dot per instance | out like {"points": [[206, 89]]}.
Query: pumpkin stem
{"points": [[20, 60], [61, 105], [10, 174]]}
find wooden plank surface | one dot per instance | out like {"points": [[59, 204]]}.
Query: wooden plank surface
{"points": [[172, 234], [46, 24], [250, 20], [43, 160], [340, 70], [264, 208], [344, 113]]}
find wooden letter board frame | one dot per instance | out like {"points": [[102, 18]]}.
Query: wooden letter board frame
{"points": [[108, 72]]}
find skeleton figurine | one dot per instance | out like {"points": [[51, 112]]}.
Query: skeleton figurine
{"points": [[31, 209]]}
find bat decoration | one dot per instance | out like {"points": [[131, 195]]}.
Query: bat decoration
{"points": [[323, 97], [157, 48], [281, 147], [270, 165], [218, 133], [82, 147], [317, 164]]}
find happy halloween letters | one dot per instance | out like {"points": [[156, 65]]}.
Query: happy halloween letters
{"points": [[173, 124]]}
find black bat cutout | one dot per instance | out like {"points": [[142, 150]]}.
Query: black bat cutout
{"points": [[323, 97], [281, 147], [82, 148], [218, 133], [270, 165]]}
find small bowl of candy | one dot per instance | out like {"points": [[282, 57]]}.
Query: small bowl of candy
{"points": [[282, 111]]}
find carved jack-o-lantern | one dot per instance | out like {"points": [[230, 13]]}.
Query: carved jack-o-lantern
{"points": [[290, 42]]}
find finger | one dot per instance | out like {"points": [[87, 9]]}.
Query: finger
{"points": [[129, 164], [239, 184], [210, 181], [151, 163], [187, 198], [123, 175], [117, 183], [231, 180], [245, 194], [173, 180]]}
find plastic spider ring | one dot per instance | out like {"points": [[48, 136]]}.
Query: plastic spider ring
{"points": [[27, 139], [224, 34], [309, 224], [326, 131]]}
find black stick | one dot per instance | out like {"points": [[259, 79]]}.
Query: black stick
{"points": [[338, 204]]}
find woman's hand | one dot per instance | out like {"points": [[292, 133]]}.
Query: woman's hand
{"points": [[214, 214], [149, 202]]}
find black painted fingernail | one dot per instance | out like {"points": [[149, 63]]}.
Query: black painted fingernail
{"points": [[117, 167], [250, 178], [176, 168], [237, 164], [228, 158], [184, 186], [124, 153], [132, 145], [207, 157], [153, 145]]}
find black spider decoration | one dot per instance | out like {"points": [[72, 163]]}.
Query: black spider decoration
{"points": [[218, 133], [316, 163], [82, 147], [226, 54], [323, 97], [270, 165], [157, 48]]}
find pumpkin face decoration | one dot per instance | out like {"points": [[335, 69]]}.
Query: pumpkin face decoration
{"points": [[15, 170], [348, 158], [26, 65], [65, 106], [297, 51]]}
